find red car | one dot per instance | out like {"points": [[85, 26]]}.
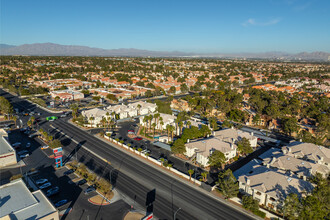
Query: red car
{"points": [[138, 138], [130, 131]]}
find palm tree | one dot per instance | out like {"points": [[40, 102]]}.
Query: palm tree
{"points": [[147, 155], [162, 161], [74, 108], [160, 120], [103, 121], [188, 124], [139, 108], [156, 116], [92, 119], [168, 131], [161, 127], [180, 127], [145, 121], [29, 123], [140, 150], [172, 131], [153, 126], [150, 119], [191, 172], [15, 119], [204, 175], [32, 119], [170, 166]]}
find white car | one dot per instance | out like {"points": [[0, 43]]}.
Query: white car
{"points": [[41, 181], [22, 156]]}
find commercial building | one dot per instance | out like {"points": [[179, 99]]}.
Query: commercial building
{"points": [[17, 202], [67, 95], [7, 152]]}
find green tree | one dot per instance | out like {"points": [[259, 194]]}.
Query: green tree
{"points": [[178, 147], [244, 146], [289, 125], [250, 203], [55, 144], [216, 159], [191, 172], [228, 184], [292, 206]]}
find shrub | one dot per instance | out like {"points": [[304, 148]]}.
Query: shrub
{"points": [[259, 213]]}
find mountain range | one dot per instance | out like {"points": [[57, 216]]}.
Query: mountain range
{"points": [[51, 49]]}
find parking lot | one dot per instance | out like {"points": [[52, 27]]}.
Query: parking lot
{"points": [[68, 189]]}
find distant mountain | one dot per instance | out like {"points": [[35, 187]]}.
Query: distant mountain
{"points": [[6, 46], [50, 49]]}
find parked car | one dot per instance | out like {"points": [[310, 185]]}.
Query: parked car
{"points": [[53, 191], [63, 116], [22, 156], [22, 152], [33, 135], [45, 185], [81, 182], [68, 172], [89, 189], [44, 147], [138, 138], [28, 145], [41, 181], [61, 202]]}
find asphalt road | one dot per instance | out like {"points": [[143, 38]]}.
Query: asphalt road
{"points": [[136, 179]]}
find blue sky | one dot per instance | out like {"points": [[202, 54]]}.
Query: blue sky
{"points": [[193, 26]]}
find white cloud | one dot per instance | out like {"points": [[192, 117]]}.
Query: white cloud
{"points": [[253, 22]]}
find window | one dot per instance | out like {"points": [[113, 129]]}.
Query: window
{"points": [[272, 199], [243, 184], [258, 193]]}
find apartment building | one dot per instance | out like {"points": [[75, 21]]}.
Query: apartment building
{"points": [[203, 148], [270, 187], [233, 135]]}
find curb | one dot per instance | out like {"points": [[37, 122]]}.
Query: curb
{"points": [[95, 203]]}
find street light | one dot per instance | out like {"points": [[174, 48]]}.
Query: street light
{"points": [[174, 216]]}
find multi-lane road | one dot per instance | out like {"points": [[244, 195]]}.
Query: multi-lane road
{"points": [[134, 177]]}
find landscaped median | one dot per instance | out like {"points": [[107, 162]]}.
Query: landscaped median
{"points": [[101, 185], [179, 173]]}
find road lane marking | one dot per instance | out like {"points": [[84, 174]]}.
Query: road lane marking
{"points": [[85, 148]]}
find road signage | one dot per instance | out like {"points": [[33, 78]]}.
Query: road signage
{"points": [[58, 154], [148, 217]]}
